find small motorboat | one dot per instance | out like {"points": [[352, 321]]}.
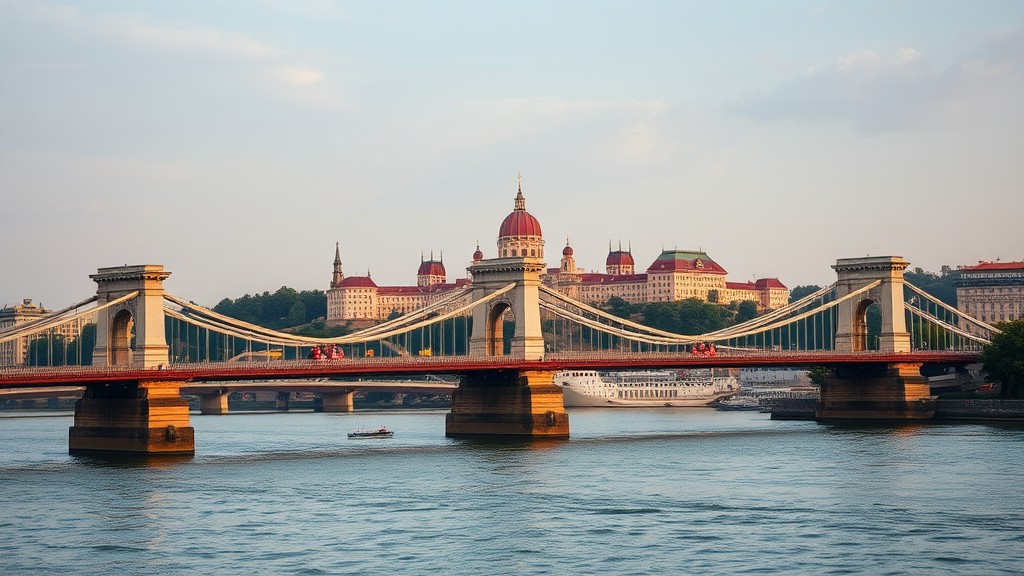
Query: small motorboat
{"points": [[381, 432]]}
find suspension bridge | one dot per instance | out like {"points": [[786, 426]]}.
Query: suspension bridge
{"points": [[505, 334]]}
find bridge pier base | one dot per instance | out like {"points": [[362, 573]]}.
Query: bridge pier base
{"points": [[148, 417], [890, 392], [335, 402], [282, 401], [214, 403], [508, 403]]}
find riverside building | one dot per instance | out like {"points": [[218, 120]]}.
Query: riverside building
{"points": [[15, 351], [674, 275], [991, 291]]}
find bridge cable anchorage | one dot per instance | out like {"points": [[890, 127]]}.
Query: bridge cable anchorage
{"points": [[46, 318], [53, 321], [954, 311]]}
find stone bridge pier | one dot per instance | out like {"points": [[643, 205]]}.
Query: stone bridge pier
{"points": [[145, 416], [894, 391]]}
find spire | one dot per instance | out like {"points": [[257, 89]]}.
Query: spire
{"points": [[520, 199], [338, 275], [630, 248], [609, 245], [567, 240], [421, 256], [442, 257], [620, 245]]}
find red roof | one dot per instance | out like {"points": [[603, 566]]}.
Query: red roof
{"points": [[519, 223], [740, 286], [686, 261], [567, 251], [597, 278], [765, 283], [419, 289], [478, 255], [431, 268], [983, 266], [619, 258], [357, 282]]}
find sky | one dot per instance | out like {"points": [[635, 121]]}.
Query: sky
{"points": [[236, 142]]}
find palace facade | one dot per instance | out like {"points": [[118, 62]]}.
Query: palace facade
{"points": [[991, 291], [674, 275]]}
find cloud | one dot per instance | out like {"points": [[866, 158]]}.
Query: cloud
{"points": [[902, 91], [299, 75], [188, 39]]}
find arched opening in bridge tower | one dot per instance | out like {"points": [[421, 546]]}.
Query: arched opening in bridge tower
{"points": [[501, 327], [867, 326], [122, 337]]}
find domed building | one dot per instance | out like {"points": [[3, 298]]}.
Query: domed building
{"points": [[431, 271], [519, 235]]}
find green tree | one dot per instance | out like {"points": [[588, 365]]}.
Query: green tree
{"points": [[941, 285], [817, 374], [1003, 359], [801, 291], [747, 310]]}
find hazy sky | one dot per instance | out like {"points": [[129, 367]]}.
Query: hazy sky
{"points": [[236, 142]]}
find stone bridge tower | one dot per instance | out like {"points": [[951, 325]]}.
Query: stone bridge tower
{"points": [[144, 314], [509, 402], [890, 391], [851, 329]]}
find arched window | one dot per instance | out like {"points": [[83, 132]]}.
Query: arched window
{"points": [[523, 252], [533, 252]]}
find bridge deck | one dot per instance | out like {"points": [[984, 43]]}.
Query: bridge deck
{"points": [[461, 365]]}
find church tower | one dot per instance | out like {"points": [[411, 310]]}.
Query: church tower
{"points": [[338, 274]]}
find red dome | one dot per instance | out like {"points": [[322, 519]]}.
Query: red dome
{"points": [[567, 251], [519, 223], [478, 255], [619, 258], [431, 268]]}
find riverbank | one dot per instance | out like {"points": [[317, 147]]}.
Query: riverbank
{"points": [[974, 410]]}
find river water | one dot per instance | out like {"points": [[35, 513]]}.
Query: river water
{"points": [[634, 491]]}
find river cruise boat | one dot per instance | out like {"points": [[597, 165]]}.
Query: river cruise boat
{"points": [[695, 387], [381, 432]]}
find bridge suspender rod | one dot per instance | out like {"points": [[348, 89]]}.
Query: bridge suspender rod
{"points": [[385, 326], [954, 311], [767, 318], [958, 331], [830, 305], [456, 312], [47, 318], [594, 324], [284, 336], [226, 330], [55, 321]]}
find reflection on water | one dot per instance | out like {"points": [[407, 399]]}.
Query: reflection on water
{"points": [[631, 492]]}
